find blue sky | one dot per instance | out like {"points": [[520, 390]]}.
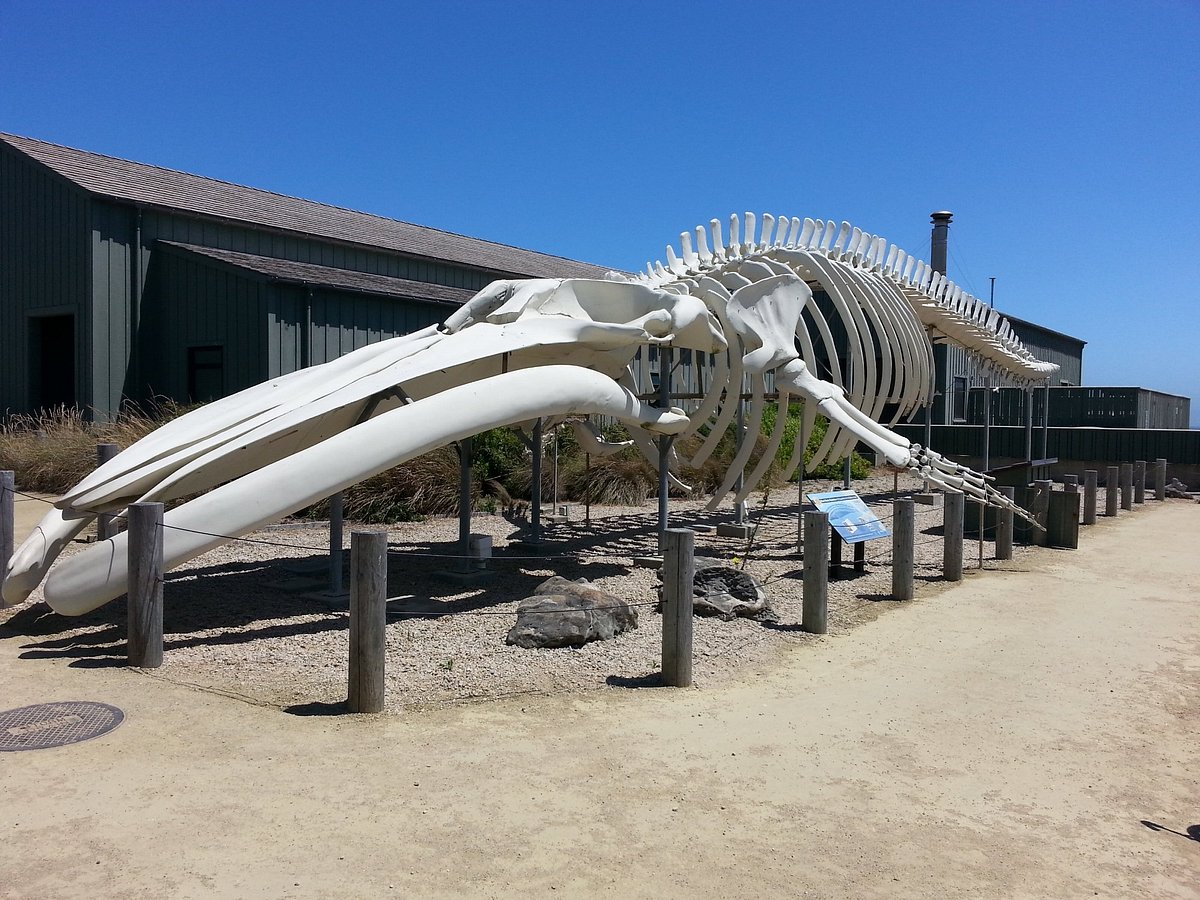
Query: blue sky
{"points": [[1064, 136]]}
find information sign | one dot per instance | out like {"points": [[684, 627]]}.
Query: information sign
{"points": [[849, 516]]}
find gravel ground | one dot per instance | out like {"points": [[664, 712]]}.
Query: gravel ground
{"points": [[253, 619]]}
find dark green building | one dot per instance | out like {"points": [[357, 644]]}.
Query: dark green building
{"points": [[124, 281]]}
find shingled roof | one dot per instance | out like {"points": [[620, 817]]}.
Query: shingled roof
{"points": [[327, 276], [133, 182]]}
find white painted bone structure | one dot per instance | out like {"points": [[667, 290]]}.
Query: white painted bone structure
{"points": [[556, 349]]}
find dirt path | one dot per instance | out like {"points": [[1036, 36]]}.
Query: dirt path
{"points": [[1005, 738]]}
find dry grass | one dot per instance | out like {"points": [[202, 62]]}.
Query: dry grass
{"points": [[53, 450]]}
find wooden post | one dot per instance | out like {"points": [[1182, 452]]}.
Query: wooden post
{"points": [[8, 484], [816, 573], [678, 576], [106, 525], [337, 506], [952, 532], [1126, 485], [145, 596], [1040, 507], [1160, 479], [1139, 481], [1111, 492], [835, 555], [1062, 526], [368, 620], [860, 556], [1090, 477], [1004, 526], [904, 531]]}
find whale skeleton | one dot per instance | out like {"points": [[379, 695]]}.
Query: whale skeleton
{"points": [[559, 350]]}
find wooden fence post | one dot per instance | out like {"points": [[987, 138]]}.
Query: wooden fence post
{"points": [[678, 578], [952, 535], [145, 595], [1139, 481], [1112, 493], [1160, 479], [8, 484], [1090, 478], [814, 617], [1126, 485], [904, 530], [1004, 526], [368, 620], [106, 524]]}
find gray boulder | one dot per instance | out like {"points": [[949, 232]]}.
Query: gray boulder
{"points": [[728, 593], [1178, 490], [564, 613]]}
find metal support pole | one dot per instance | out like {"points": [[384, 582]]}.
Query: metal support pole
{"points": [[846, 470], [1111, 492], [814, 617], [8, 486], [106, 525], [987, 429], [145, 596], [835, 555], [665, 360], [1160, 479], [739, 512], [1126, 486], [952, 531], [465, 450], [1046, 423], [368, 621], [904, 532], [337, 504], [1004, 526], [928, 429], [1139, 481], [1029, 426], [535, 486], [1090, 477], [678, 575]]}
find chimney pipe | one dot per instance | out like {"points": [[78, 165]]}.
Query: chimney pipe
{"points": [[937, 241]]}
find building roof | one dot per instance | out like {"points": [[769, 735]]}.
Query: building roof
{"points": [[327, 276], [1016, 321], [139, 183]]}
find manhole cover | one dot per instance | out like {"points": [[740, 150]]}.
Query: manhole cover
{"points": [[48, 725]]}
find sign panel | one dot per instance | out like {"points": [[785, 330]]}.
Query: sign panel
{"points": [[849, 516]]}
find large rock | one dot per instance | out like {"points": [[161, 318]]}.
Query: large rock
{"points": [[1178, 490], [727, 592], [564, 613]]}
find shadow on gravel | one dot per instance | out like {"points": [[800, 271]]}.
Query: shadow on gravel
{"points": [[318, 709], [654, 679]]}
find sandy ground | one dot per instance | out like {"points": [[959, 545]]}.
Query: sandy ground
{"points": [[1006, 737]]}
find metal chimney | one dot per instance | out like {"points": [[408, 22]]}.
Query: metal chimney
{"points": [[937, 241]]}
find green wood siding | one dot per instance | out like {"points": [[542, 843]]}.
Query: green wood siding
{"points": [[43, 270]]}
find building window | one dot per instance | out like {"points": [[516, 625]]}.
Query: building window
{"points": [[205, 373], [958, 399]]}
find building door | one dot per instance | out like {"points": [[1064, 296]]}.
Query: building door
{"points": [[51, 361]]}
